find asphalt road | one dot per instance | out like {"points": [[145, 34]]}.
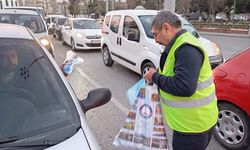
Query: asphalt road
{"points": [[106, 121]]}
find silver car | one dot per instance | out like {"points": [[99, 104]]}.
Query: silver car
{"points": [[30, 19], [38, 109]]}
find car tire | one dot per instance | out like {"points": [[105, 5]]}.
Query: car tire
{"points": [[145, 67], [233, 127], [107, 60], [73, 45]]}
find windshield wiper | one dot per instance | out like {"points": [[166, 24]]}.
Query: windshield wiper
{"points": [[8, 139], [14, 142]]}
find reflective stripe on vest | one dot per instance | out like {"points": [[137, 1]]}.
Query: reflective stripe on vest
{"points": [[190, 103], [204, 84]]}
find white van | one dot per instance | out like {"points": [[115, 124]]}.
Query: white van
{"points": [[127, 39]]}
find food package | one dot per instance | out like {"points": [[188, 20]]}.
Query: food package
{"points": [[144, 126], [71, 60]]}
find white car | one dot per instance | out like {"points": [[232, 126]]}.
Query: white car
{"points": [[127, 39], [82, 33], [31, 19], [38, 108]]}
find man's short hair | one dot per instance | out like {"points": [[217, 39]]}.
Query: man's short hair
{"points": [[166, 16]]}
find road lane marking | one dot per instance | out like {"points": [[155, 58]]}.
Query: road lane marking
{"points": [[96, 84]]}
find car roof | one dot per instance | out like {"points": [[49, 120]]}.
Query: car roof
{"points": [[18, 11], [14, 31], [82, 19], [133, 12], [24, 7]]}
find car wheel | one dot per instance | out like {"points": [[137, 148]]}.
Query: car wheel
{"points": [[145, 67], [107, 60], [233, 127], [73, 45]]}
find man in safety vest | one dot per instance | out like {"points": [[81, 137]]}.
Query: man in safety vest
{"points": [[185, 83]]}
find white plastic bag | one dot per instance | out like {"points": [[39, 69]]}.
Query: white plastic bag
{"points": [[144, 126], [71, 60]]}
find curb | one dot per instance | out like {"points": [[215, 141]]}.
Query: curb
{"points": [[225, 34]]}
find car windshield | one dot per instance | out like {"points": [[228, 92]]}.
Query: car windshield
{"points": [[85, 24], [34, 22], [189, 27], [147, 20], [33, 98], [61, 21]]}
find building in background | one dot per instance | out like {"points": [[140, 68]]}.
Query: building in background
{"points": [[8, 3]]}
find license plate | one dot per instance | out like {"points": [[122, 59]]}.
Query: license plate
{"points": [[96, 41]]}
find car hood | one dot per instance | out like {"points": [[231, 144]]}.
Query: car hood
{"points": [[77, 141], [210, 47], [89, 32], [158, 49]]}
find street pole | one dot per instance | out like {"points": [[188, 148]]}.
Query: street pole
{"points": [[107, 6], [23, 2], [169, 5], [112, 4]]}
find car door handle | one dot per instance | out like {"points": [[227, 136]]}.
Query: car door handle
{"points": [[117, 40], [120, 41]]}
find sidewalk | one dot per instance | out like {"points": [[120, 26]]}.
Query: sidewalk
{"points": [[244, 33], [225, 34]]}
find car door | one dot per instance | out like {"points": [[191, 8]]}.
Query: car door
{"points": [[65, 31], [114, 38], [130, 41]]}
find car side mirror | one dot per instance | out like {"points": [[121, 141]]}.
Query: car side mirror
{"points": [[133, 37], [96, 98]]}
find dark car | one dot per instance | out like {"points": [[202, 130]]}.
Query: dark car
{"points": [[57, 27], [38, 108], [232, 81]]}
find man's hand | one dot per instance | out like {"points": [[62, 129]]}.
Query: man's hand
{"points": [[149, 74]]}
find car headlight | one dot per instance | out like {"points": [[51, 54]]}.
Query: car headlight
{"points": [[216, 48], [79, 35], [45, 42]]}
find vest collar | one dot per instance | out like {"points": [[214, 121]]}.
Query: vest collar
{"points": [[170, 44]]}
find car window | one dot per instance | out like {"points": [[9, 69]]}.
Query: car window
{"points": [[130, 26], [107, 19], [115, 21], [34, 22], [61, 21], [189, 27], [146, 21], [85, 24], [33, 97]]}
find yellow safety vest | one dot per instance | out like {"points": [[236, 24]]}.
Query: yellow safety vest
{"points": [[196, 113]]}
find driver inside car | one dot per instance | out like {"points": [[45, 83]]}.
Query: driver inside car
{"points": [[8, 66]]}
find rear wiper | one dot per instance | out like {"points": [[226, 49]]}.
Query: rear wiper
{"points": [[8, 139]]}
